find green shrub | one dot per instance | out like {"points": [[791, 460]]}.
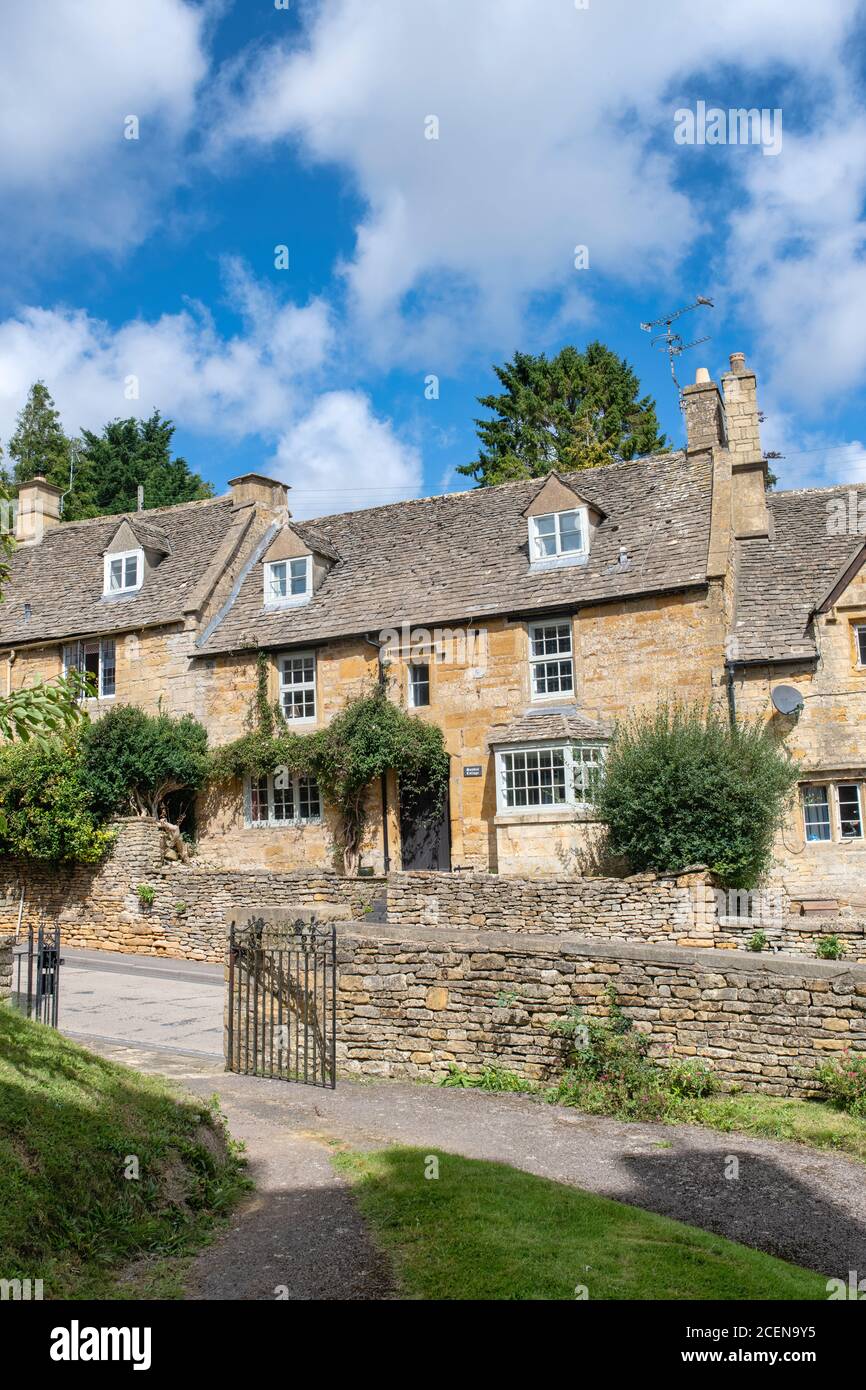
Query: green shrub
{"points": [[146, 894], [46, 811], [608, 1070], [830, 948], [690, 1078], [757, 941], [685, 786], [134, 761], [843, 1082]]}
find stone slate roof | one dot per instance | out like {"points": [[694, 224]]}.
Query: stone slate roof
{"points": [[61, 577], [781, 581], [544, 724], [440, 560]]}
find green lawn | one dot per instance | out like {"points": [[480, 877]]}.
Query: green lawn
{"points": [[811, 1122], [69, 1124], [486, 1231]]}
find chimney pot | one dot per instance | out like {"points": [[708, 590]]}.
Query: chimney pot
{"points": [[738, 362], [701, 376]]}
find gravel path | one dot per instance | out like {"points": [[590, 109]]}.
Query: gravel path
{"points": [[791, 1201]]}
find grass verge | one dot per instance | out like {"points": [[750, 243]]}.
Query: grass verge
{"points": [[487, 1231], [814, 1123], [74, 1131]]}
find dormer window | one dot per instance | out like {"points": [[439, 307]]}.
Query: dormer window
{"points": [[124, 572], [289, 581], [558, 537]]}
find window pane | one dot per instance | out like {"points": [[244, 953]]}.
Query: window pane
{"points": [[115, 581], [131, 572], [587, 761], [277, 581], [861, 645], [298, 686], [258, 800], [816, 813], [545, 536], [309, 802], [534, 777], [107, 668], [299, 576], [419, 685], [570, 531], [849, 811]]}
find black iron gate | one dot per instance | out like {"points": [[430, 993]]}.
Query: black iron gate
{"points": [[37, 974], [282, 1002]]}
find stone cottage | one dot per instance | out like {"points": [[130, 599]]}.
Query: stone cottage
{"points": [[523, 619]]}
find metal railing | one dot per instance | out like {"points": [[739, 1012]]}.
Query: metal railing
{"points": [[36, 973]]}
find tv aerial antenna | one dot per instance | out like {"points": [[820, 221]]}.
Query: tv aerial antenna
{"points": [[671, 342]]}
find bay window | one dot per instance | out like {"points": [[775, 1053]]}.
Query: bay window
{"points": [[548, 776]]}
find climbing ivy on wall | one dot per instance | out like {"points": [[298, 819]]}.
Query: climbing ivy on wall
{"points": [[370, 736]]}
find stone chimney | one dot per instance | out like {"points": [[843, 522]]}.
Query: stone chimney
{"points": [[38, 508], [748, 466], [704, 414], [259, 488]]}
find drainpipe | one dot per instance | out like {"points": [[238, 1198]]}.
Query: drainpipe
{"points": [[732, 698], [9, 665]]}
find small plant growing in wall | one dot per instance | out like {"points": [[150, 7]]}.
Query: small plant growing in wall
{"points": [[830, 948], [757, 941], [181, 909], [146, 895]]}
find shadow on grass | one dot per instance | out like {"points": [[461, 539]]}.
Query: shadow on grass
{"points": [[98, 1164]]}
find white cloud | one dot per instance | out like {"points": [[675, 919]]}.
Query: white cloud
{"points": [[797, 260], [552, 133], [265, 381], [70, 73], [340, 457]]}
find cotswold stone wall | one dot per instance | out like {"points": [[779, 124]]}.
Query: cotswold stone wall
{"points": [[679, 910], [413, 1001], [98, 906], [5, 966]]}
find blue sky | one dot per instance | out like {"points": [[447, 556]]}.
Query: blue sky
{"points": [[151, 260]]}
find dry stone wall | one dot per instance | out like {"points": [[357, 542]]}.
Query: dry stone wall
{"points": [[412, 1002], [98, 906]]}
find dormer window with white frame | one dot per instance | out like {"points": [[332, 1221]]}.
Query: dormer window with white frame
{"points": [[559, 538], [288, 581], [123, 573]]}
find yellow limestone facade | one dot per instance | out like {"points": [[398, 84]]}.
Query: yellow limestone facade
{"points": [[627, 653]]}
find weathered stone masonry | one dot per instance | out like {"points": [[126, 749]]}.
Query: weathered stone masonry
{"points": [[98, 906], [413, 1001]]}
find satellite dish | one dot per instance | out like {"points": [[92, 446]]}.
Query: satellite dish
{"points": [[787, 699]]}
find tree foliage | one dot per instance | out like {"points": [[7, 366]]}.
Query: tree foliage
{"points": [[39, 444], [107, 468], [46, 812], [684, 786], [575, 410], [133, 762], [128, 453]]}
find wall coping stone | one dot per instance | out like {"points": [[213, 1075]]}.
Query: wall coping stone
{"points": [[509, 943]]}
